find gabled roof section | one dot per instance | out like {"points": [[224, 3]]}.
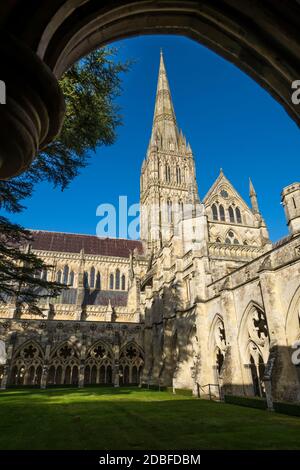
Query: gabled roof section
{"points": [[222, 180]]}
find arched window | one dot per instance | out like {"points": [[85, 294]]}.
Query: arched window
{"points": [[178, 175], [238, 215], [123, 282], [231, 214], [222, 213], [111, 281], [117, 279], [71, 279], [92, 278], [86, 280], [58, 276], [170, 211], [215, 212], [167, 173], [66, 275], [44, 274], [98, 281]]}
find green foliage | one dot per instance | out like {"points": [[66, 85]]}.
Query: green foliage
{"points": [[252, 402], [92, 117]]}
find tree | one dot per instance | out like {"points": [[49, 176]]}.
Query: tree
{"points": [[92, 117]]}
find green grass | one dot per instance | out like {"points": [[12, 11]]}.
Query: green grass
{"points": [[130, 418]]}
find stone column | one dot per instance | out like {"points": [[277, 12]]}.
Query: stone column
{"points": [[7, 368], [285, 384], [232, 376], [82, 367], [44, 378], [116, 364]]}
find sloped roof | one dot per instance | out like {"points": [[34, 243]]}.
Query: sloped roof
{"points": [[92, 245]]}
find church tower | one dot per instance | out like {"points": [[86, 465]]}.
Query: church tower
{"points": [[168, 179]]}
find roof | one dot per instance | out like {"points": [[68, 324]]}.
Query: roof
{"points": [[91, 244]]}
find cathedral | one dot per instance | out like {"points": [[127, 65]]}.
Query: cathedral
{"points": [[204, 301]]}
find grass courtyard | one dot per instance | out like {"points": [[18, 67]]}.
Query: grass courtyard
{"points": [[130, 418]]}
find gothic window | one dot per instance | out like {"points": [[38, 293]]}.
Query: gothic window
{"points": [[86, 280], [238, 215], [215, 212], [167, 173], [71, 279], [111, 281], [64, 366], [227, 241], [222, 213], [58, 276], [98, 281], [92, 278], [98, 365], [170, 211], [66, 275], [178, 175], [27, 365], [231, 215], [131, 364], [123, 282], [117, 279]]}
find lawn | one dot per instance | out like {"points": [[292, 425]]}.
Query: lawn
{"points": [[130, 418]]}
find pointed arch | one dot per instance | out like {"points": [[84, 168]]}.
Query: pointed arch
{"points": [[238, 215], [98, 281], [58, 276], [71, 279], [117, 284], [111, 281], [131, 363], [26, 364], [92, 277], [123, 282], [222, 213], [231, 215], [292, 323], [86, 280], [66, 274], [214, 210]]}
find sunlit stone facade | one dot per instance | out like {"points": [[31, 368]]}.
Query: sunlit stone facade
{"points": [[203, 301]]}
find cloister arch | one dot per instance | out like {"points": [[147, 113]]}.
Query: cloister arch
{"points": [[260, 38], [254, 346], [131, 363], [64, 365], [217, 346], [292, 326], [99, 364], [27, 364]]}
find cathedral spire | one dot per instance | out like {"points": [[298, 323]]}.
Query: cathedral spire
{"points": [[253, 198], [164, 130]]}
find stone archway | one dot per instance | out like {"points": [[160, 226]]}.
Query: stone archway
{"points": [[261, 38]]}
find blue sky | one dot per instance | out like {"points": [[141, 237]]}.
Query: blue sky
{"points": [[229, 120]]}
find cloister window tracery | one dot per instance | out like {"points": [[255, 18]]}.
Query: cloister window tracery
{"points": [[27, 365], [99, 365], [64, 366], [131, 364]]}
